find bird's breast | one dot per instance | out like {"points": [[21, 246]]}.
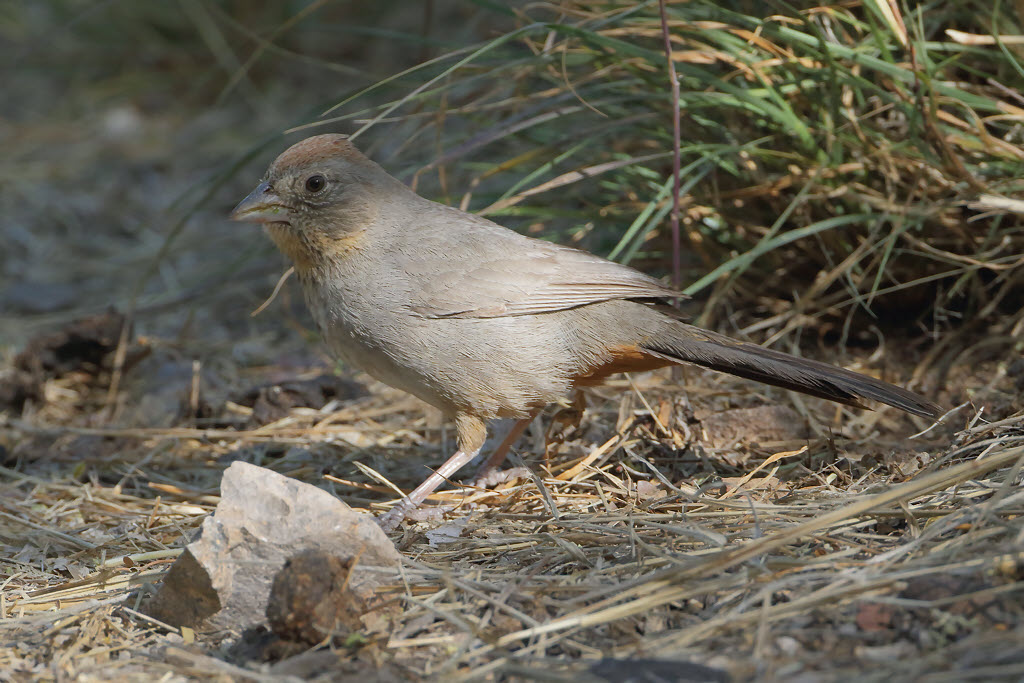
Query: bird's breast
{"points": [[368, 328]]}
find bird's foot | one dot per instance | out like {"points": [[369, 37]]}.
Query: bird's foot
{"points": [[390, 520]]}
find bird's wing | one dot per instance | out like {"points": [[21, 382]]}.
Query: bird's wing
{"points": [[489, 272]]}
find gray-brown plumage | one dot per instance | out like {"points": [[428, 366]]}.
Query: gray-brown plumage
{"points": [[479, 320]]}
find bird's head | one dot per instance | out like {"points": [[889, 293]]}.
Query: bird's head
{"points": [[316, 199]]}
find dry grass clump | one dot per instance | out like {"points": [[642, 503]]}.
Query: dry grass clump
{"points": [[637, 538]]}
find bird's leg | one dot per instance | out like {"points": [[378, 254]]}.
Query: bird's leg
{"points": [[470, 433], [498, 456], [391, 519]]}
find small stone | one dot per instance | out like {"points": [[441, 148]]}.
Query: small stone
{"points": [[223, 579]]}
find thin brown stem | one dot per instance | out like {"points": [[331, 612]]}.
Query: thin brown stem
{"points": [[674, 217]]}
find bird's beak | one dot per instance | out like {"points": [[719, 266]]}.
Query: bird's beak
{"points": [[261, 206]]}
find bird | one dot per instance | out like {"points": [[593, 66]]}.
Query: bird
{"points": [[479, 320]]}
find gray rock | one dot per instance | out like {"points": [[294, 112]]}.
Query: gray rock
{"points": [[223, 579]]}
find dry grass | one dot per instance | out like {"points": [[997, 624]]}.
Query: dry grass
{"points": [[637, 539]]}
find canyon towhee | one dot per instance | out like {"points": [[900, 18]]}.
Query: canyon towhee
{"points": [[479, 320]]}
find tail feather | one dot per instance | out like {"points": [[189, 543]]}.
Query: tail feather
{"points": [[717, 352]]}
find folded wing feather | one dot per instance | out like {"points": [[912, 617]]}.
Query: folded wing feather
{"points": [[507, 274]]}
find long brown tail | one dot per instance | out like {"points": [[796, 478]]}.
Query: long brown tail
{"points": [[682, 342]]}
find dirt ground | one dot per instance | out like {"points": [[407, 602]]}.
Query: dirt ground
{"points": [[687, 520]]}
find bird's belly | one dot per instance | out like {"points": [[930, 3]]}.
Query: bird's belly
{"points": [[495, 367], [378, 361], [357, 332], [451, 367]]}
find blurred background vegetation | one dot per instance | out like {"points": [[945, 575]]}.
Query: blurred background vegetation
{"points": [[849, 168]]}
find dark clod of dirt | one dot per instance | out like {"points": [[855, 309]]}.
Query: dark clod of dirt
{"points": [[947, 606], [18, 388], [273, 402], [748, 425], [82, 346], [310, 601], [965, 594], [655, 671]]}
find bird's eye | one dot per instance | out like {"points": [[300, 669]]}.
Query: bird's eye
{"points": [[315, 183]]}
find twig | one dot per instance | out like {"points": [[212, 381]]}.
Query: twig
{"points": [[674, 216], [273, 295]]}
